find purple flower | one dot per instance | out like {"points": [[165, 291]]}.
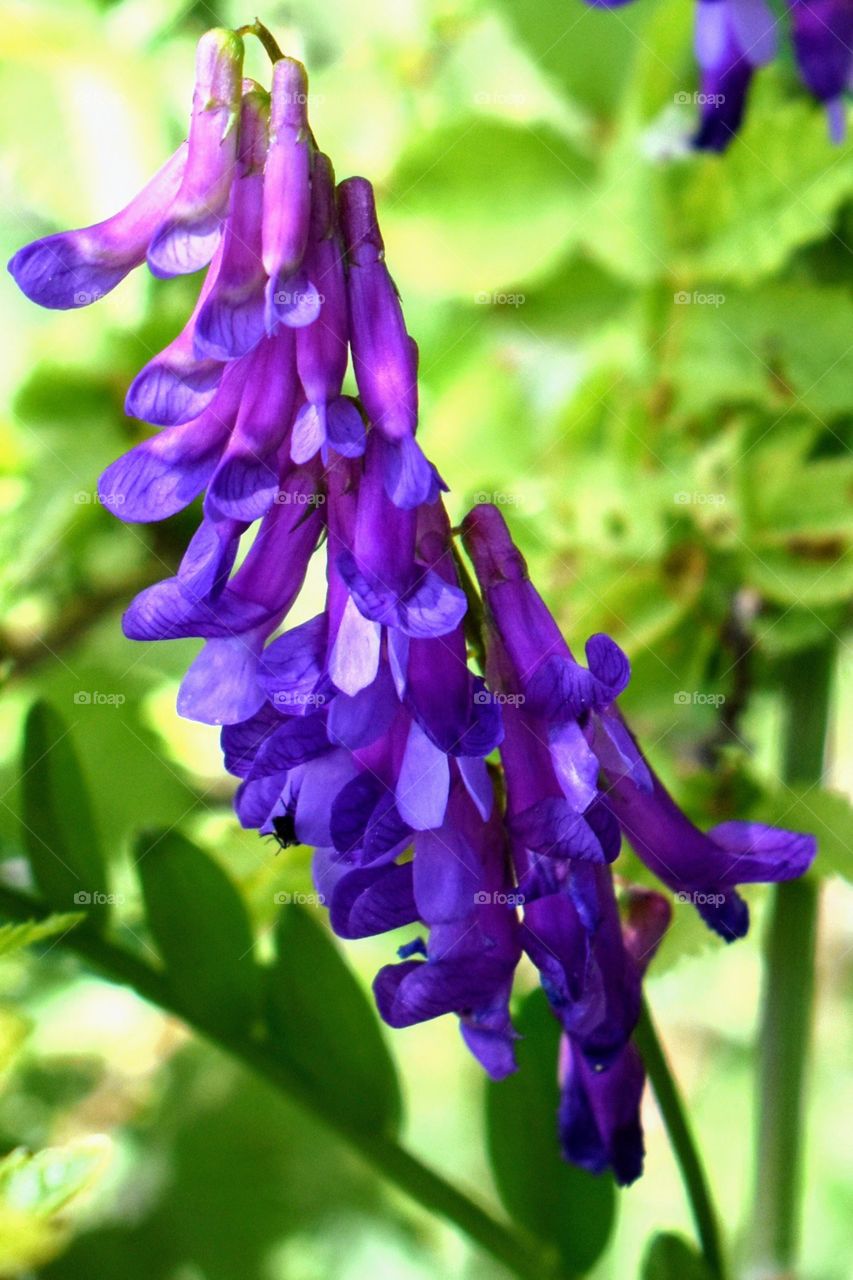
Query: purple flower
{"points": [[735, 37], [290, 296], [187, 237], [385, 358], [704, 869], [822, 35], [74, 268]]}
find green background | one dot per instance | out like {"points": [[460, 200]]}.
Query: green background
{"points": [[644, 356]]}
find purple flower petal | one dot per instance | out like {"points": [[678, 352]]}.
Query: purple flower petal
{"points": [[292, 666], [423, 784], [221, 686], [188, 236], [242, 741], [373, 900], [554, 829], [287, 191], [74, 268]]}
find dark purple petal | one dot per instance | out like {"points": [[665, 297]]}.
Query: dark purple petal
{"points": [[384, 356], [553, 829], [292, 666], [410, 478], [373, 900], [297, 740], [242, 741], [359, 720]]}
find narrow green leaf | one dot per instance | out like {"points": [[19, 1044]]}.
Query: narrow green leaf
{"points": [[203, 933], [325, 1026], [558, 1203], [59, 827], [670, 1257], [15, 936]]}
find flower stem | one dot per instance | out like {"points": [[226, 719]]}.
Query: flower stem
{"points": [[522, 1256], [789, 965], [683, 1145], [265, 36]]}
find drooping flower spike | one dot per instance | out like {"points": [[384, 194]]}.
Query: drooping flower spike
{"points": [[734, 38], [364, 732]]}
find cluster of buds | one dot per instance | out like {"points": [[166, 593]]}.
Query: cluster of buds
{"points": [[364, 732]]}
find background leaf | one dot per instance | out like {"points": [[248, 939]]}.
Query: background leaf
{"points": [[202, 931], [59, 829], [670, 1257], [558, 1203], [325, 1026]]}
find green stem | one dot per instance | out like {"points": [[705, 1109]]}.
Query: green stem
{"points": [[683, 1145], [521, 1256], [265, 36], [789, 980]]}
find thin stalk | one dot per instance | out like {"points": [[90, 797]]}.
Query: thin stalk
{"points": [[522, 1256], [683, 1144], [265, 36], [788, 996]]}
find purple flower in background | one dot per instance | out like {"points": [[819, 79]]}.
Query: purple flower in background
{"points": [[736, 37]]}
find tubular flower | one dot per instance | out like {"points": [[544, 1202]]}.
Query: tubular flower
{"points": [[363, 731], [733, 38]]}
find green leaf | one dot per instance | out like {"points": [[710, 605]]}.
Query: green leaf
{"points": [[59, 828], [203, 933], [482, 206], [15, 936], [37, 1196], [558, 1203], [586, 50], [670, 1257], [325, 1027]]}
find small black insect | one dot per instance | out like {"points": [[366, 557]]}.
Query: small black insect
{"points": [[284, 831]]}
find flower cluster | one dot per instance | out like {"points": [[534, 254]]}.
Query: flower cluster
{"points": [[364, 732], [733, 38]]}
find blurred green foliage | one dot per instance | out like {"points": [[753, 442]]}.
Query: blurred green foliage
{"points": [[643, 356]]}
